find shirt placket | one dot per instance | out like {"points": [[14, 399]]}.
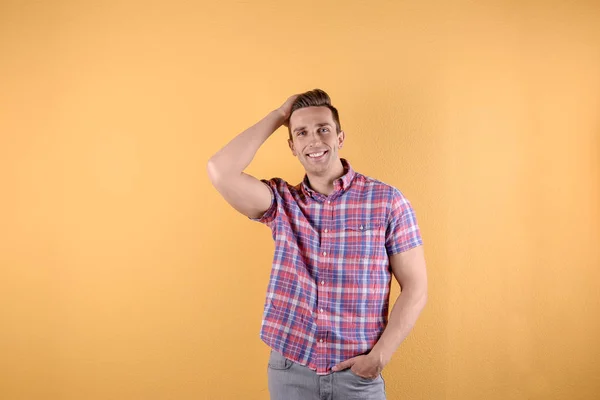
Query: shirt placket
{"points": [[323, 282]]}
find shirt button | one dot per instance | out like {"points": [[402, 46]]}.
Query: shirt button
{"points": [[361, 227], [325, 230], [324, 253], [328, 202], [321, 340], [322, 282], [321, 310]]}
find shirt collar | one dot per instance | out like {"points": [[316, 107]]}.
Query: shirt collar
{"points": [[340, 184]]}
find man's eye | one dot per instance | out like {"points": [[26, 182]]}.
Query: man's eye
{"points": [[325, 129], [300, 133]]}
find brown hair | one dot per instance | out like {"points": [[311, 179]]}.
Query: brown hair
{"points": [[315, 98]]}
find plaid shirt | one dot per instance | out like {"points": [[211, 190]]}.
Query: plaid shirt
{"points": [[328, 294]]}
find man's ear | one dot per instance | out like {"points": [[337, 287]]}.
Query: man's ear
{"points": [[291, 144], [341, 139]]}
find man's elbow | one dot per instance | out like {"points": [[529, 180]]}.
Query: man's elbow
{"points": [[212, 171]]}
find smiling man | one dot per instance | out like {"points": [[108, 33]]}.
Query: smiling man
{"points": [[339, 237]]}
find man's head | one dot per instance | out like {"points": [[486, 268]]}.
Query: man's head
{"points": [[314, 127]]}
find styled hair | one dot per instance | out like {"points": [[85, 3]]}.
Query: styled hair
{"points": [[315, 98]]}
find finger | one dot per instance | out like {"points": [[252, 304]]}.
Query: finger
{"points": [[344, 364]]}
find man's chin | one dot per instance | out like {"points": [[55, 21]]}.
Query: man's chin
{"points": [[312, 166]]}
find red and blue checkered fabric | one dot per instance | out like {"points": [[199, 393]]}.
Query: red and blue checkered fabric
{"points": [[328, 293]]}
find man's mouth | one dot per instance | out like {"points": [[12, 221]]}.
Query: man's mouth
{"points": [[318, 155]]}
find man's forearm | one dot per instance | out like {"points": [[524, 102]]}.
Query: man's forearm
{"points": [[239, 152], [406, 310]]}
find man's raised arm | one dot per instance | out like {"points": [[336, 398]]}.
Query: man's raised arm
{"points": [[245, 193]]}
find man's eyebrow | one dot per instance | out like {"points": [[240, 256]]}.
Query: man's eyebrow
{"points": [[319, 125]]}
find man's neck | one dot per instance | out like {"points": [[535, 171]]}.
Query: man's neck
{"points": [[324, 183]]}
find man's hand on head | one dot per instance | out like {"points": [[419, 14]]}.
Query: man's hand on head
{"points": [[286, 109]]}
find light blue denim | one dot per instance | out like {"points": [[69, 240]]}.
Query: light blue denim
{"points": [[291, 381]]}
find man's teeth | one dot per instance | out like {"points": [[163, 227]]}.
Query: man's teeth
{"points": [[316, 154]]}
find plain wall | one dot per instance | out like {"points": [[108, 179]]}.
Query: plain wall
{"points": [[124, 274]]}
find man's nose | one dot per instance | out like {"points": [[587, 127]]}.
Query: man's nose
{"points": [[314, 138]]}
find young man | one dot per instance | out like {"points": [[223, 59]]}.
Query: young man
{"points": [[339, 236]]}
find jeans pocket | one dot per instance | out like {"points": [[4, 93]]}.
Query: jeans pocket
{"points": [[277, 361], [361, 378]]}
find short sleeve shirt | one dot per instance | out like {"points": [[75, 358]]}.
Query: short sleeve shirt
{"points": [[328, 294]]}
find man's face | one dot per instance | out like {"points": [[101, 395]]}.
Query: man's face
{"points": [[314, 131]]}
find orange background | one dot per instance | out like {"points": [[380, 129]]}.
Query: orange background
{"points": [[124, 274]]}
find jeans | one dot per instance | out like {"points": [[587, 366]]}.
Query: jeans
{"points": [[291, 381]]}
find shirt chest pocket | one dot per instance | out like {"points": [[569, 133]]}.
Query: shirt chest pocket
{"points": [[362, 238]]}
